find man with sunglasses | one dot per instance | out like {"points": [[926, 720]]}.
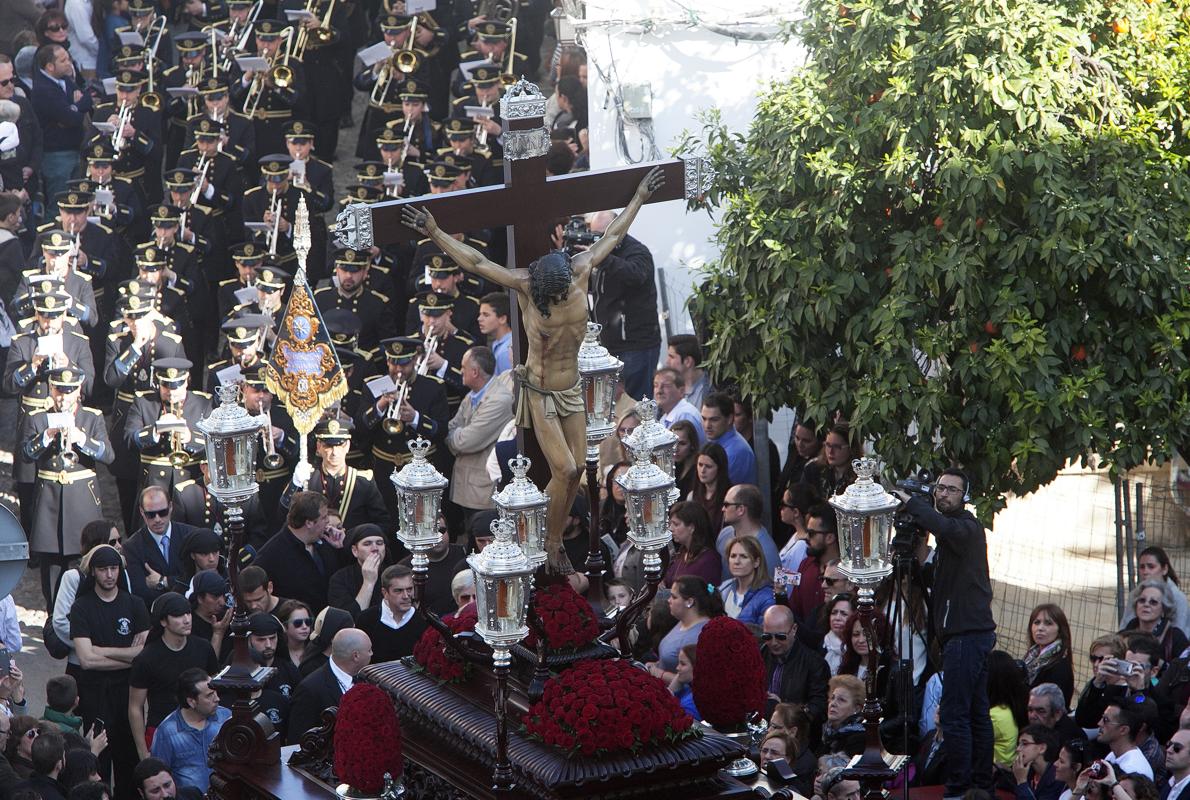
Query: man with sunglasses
{"points": [[154, 552], [1177, 761], [793, 672], [18, 165], [962, 616]]}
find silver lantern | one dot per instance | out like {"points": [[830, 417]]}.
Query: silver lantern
{"points": [[503, 580], [524, 506], [646, 488], [599, 370], [419, 499], [231, 439], [658, 440], [865, 513]]}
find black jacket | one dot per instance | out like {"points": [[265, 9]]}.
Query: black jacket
{"points": [[962, 591], [140, 550], [625, 296], [804, 680], [318, 691], [293, 571]]}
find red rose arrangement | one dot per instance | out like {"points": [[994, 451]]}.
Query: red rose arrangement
{"points": [[431, 653], [729, 674], [367, 739], [603, 706], [566, 617]]}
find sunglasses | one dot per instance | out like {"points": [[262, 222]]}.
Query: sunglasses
{"points": [[780, 637], [56, 28], [726, 504], [7, 81], [1175, 747], [31, 734], [300, 623], [157, 512], [114, 542]]}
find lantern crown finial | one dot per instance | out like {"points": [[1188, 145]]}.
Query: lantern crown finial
{"points": [[229, 394], [418, 448], [520, 464], [502, 529], [646, 409], [865, 468]]}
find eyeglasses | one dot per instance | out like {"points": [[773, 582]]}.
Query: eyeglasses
{"points": [[790, 506], [727, 504], [1148, 601], [150, 513], [944, 489], [304, 622], [1097, 659], [7, 81], [56, 27], [830, 581], [1023, 743], [780, 637]]}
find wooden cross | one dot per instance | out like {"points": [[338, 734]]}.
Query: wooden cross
{"points": [[527, 204]]}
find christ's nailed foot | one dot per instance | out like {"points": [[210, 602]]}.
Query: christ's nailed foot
{"points": [[557, 562]]}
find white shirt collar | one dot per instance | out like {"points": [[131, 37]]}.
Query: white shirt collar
{"points": [[1175, 789], [387, 617], [345, 680]]}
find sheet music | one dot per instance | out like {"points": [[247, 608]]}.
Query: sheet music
{"points": [[131, 37], [104, 196], [383, 385], [371, 56], [419, 6], [182, 91], [252, 63], [59, 419], [394, 179], [230, 374], [49, 344], [479, 112], [109, 86], [246, 294]]}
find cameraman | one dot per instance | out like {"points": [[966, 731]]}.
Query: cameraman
{"points": [[961, 605]]}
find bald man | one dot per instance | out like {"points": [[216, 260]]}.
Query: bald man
{"points": [[793, 672], [351, 650]]}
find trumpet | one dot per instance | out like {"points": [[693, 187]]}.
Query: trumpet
{"points": [[408, 141], [66, 448], [275, 231], [499, 10], [202, 168], [393, 424], [272, 459], [481, 133], [123, 119], [430, 345], [178, 457], [237, 37], [193, 78], [280, 76]]}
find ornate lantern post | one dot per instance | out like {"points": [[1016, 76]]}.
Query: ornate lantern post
{"points": [[865, 514], [524, 506], [598, 370], [503, 580], [658, 440], [419, 499], [647, 492], [231, 441]]}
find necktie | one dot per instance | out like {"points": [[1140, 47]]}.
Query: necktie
{"points": [[165, 548]]}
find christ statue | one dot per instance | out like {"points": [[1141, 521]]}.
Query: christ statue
{"points": [[552, 296]]}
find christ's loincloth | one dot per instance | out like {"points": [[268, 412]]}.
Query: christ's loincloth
{"points": [[558, 403]]}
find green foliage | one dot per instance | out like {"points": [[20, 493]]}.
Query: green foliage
{"points": [[963, 225]]}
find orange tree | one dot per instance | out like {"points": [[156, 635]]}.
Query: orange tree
{"points": [[964, 226]]}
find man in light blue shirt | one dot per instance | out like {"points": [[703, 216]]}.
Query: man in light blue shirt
{"points": [[493, 323], [184, 737], [718, 410], [742, 509]]}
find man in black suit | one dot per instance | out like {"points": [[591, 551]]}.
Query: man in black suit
{"points": [[351, 651], [303, 555], [150, 570], [793, 672], [62, 111], [1177, 761]]}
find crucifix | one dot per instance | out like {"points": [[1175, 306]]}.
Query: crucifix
{"points": [[528, 205]]}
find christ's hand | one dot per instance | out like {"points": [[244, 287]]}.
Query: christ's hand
{"points": [[419, 219], [651, 182]]}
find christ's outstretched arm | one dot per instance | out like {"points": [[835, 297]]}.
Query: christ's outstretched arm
{"points": [[467, 257]]}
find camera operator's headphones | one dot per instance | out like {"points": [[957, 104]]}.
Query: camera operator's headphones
{"points": [[966, 484]]}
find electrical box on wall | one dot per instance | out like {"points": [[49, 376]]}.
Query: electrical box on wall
{"points": [[638, 100]]}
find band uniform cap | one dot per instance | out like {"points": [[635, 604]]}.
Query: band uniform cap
{"points": [[463, 163], [100, 151], [212, 86], [275, 164], [412, 89], [136, 288], [297, 129], [128, 53], [129, 78], [190, 42], [150, 259], [493, 30], [133, 306], [335, 430], [49, 303], [369, 170], [244, 329], [272, 278], [56, 241], [248, 251], [429, 302], [439, 265], [357, 193], [485, 75], [172, 372], [164, 212], [180, 178], [442, 174], [239, 2], [72, 200], [142, 6], [81, 185], [254, 375], [401, 348], [390, 137], [207, 128], [66, 378], [391, 23], [459, 127], [352, 260], [343, 325], [49, 284], [269, 28]]}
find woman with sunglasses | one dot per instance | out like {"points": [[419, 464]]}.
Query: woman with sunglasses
{"points": [[296, 618], [53, 28], [1153, 606], [692, 602], [23, 729]]}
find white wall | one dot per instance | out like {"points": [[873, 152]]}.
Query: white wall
{"points": [[690, 69]]}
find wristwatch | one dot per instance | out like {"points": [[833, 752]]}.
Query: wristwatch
{"points": [[162, 585]]}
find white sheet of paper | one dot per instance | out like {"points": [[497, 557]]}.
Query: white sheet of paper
{"points": [[383, 385], [258, 227], [478, 112], [230, 374], [466, 66], [246, 295], [252, 63], [49, 344], [297, 168], [394, 179], [109, 86], [418, 6], [59, 419], [371, 56], [169, 424], [292, 14], [104, 196], [131, 37], [106, 128], [182, 91], [94, 220]]}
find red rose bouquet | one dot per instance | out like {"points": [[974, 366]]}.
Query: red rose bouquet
{"points": [[367, 739], [566, 618], [432, 655], [604, 706], [729, 674]]}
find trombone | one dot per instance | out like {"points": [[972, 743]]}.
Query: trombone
{"points": [[279, 75], [152, 99], [275, 231], [323, 35], [404, 60], [506, 75]]}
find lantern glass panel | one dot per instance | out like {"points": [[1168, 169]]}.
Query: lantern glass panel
{"points": [[864, 544]]}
